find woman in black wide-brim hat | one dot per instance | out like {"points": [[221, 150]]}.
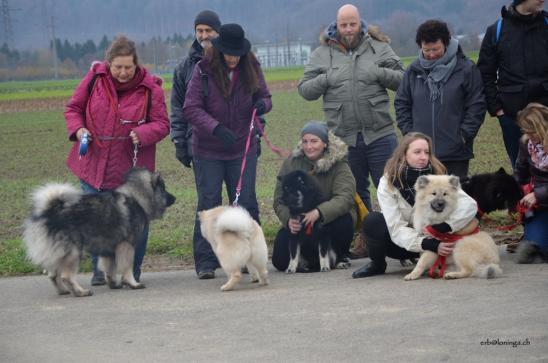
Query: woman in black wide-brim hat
{"points": [[227, 84]]}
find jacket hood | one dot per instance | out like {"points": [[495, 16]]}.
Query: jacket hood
{"points": [[196, 52], [330, 33], [336, 151], [149, 80], [509, 12]]}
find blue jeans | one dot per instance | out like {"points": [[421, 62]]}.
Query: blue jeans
{"points": [[536, 229], [140, 247], [209, 176], [511, 134], [370, 159]]}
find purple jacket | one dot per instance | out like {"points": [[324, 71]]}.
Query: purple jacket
{"points": [[206, 112], [110, 153]]}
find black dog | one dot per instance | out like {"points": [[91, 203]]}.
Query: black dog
{"points": [[301, 194], [493, 191]]}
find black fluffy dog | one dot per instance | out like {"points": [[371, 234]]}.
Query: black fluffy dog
{"points": [[493, 191], [311, 246]]}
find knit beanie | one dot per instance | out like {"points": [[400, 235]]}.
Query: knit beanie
{"points": [[517, 2], [208, 17], [316, 128]]}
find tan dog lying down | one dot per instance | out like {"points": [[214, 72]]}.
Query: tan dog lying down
{"points": [[475, 254]]}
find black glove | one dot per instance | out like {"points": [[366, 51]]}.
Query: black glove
{"points": [[226, 135], [430, 244], [442, 227], [181, 153], [260, 107]]}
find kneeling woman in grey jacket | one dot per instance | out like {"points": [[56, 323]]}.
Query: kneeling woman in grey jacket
{"points": [[390, 233]]}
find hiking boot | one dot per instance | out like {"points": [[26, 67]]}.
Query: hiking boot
{"points": [[529, 252], [371, 269], [206, 275], [98, 279]]}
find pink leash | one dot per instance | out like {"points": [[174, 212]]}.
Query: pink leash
{"points": [[247, 144], [281, 152]]}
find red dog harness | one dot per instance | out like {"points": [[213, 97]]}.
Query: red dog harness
{"points": [[441, 261]]}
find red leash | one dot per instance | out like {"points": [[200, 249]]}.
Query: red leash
{"points": [[441, 261], [521, 209]]}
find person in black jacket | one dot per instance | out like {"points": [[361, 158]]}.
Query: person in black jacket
{"points": [[206, 27], [441, 95], [513, 62]]}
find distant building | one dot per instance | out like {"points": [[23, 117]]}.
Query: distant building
{"points": [[293, 53]]}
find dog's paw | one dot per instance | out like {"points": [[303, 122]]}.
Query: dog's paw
{"points": [[291, 270], [450, 276], [137, 286], [114, 285], [325, 269], [411, 276], [343, 265], [226, 288], [63, 292], [83, 293]]}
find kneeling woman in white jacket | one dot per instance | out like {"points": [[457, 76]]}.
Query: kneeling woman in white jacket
{"points": [[390, 233]]}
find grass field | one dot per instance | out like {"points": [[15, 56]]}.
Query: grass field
{"points": [[30, 90], [34, 146]]}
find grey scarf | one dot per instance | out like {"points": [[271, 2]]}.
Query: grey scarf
{"points": [[440, 69]]}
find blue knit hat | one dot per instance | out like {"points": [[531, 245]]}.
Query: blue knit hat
{"points": [[316, 128], [517, 2]]}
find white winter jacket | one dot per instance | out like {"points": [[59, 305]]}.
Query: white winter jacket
{"points": [[399, 216]]}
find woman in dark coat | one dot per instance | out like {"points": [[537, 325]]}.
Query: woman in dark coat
{"points": [[226, 86]]}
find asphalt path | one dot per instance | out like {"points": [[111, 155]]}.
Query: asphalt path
{"points": [[315, 317]]}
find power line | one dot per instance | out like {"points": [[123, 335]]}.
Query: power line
{"points": [[8, 27]]}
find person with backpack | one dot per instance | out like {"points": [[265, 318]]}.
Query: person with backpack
{"points": [[206, 28], [513, 62], [119, 109], [227, 85]]}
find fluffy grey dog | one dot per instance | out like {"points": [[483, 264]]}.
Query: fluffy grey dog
{"points": [[64, 222]]}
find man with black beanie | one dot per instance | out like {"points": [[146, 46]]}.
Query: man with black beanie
{"points": [[512, 62], [206, 27]]}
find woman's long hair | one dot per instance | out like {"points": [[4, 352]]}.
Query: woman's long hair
{"points": [[533, 119], [247, 66], [395, 166]]}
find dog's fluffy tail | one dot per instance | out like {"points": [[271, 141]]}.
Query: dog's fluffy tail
{"points": [[42, 248], [489, 271], [46, 196], [236, 220]]}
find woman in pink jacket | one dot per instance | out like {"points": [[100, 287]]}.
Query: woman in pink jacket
{"points": [[121, 108]]}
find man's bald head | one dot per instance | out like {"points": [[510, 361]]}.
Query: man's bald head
{"points": [[348, 10], [348, 25]]}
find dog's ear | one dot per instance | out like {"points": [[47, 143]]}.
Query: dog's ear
{"points": [[454, 181], [501, 171], [422, 182]]}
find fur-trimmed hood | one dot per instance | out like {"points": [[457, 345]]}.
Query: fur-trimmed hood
{"points": [[330, 33], [336, 151]]}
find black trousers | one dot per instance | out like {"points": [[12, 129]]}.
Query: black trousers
{"points": [[341, 231], [379, 243]]}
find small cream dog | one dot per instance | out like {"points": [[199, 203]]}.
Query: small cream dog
{"points": [[475, 254], [238, 241]]}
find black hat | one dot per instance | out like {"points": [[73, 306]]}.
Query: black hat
{"points": [[517, 2], [208, 17], [231, 40]]}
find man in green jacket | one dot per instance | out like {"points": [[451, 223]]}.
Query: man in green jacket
{"points": [[352, 70]]}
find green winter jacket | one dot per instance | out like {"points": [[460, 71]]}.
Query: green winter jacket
{"points": [[354, 85], [334, 175]]}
